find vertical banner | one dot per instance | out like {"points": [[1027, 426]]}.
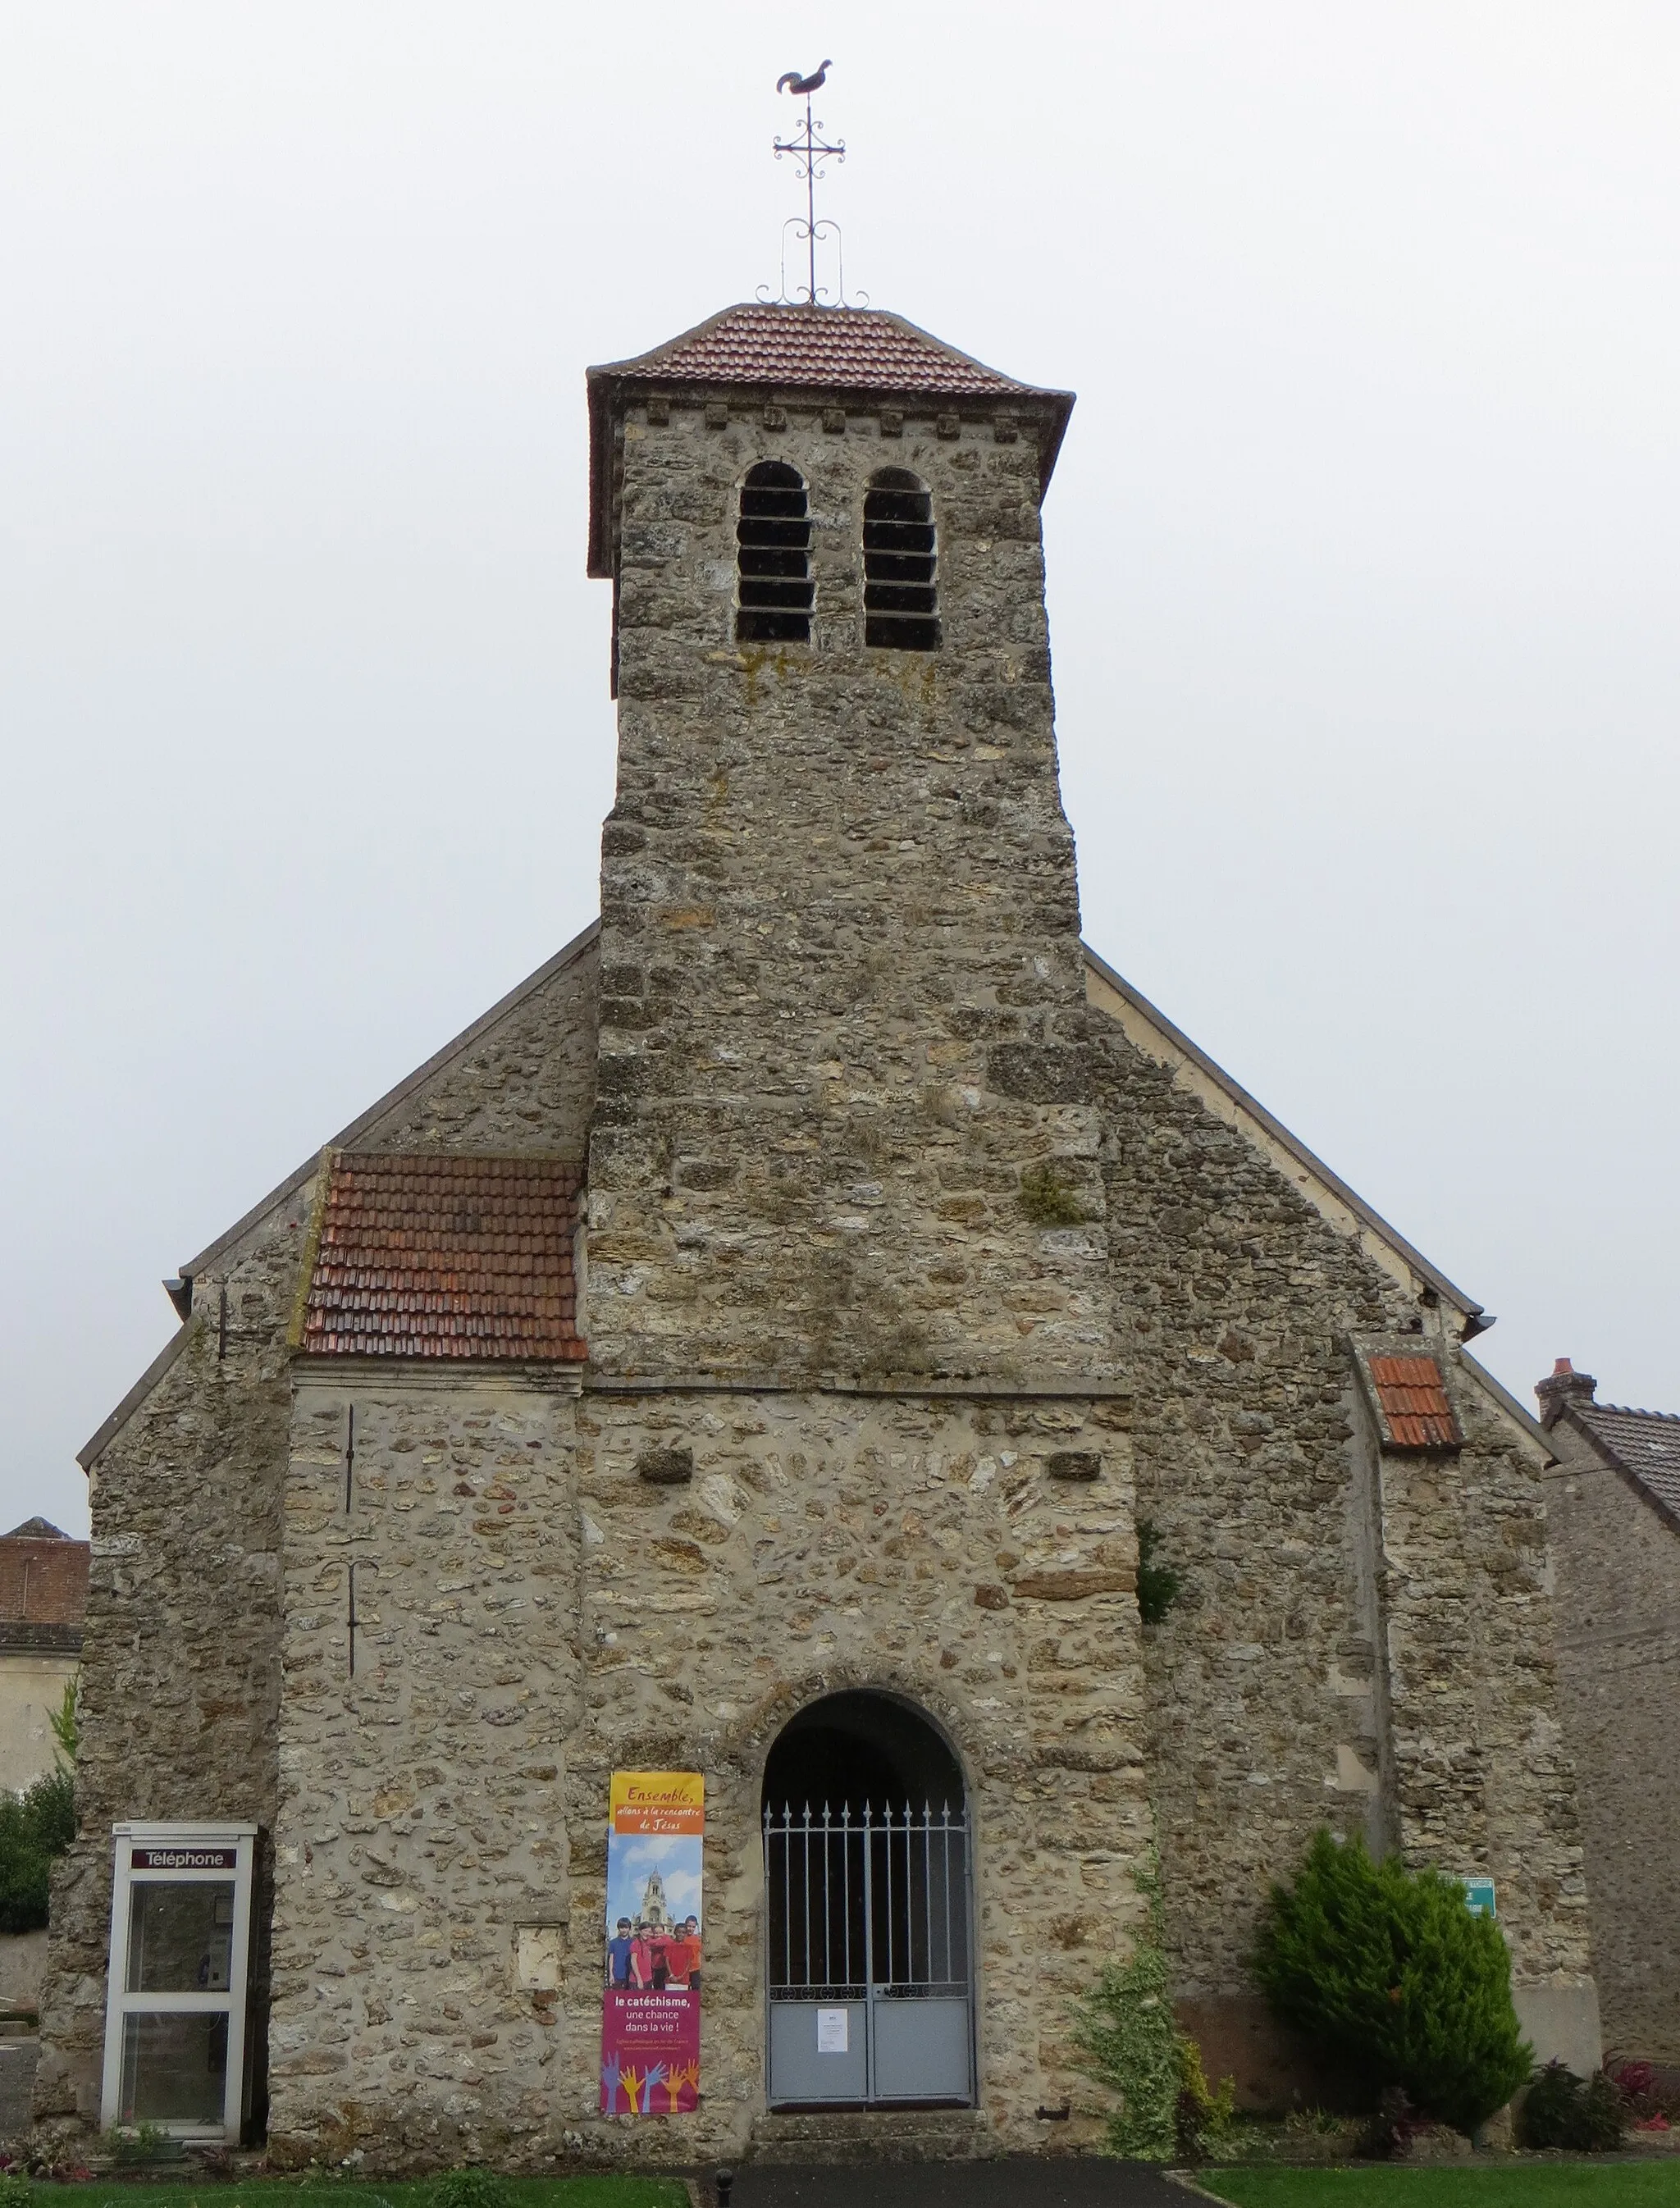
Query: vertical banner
{"points": [[650, 2004]]}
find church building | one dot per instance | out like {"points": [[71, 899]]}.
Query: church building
{"points": [[752, 1349]]}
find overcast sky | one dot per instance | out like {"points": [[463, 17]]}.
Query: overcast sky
{"points": [[1363, 553]]}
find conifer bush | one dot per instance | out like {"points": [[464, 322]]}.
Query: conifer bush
{"points": [[35, 1826], [1395, 1980]]}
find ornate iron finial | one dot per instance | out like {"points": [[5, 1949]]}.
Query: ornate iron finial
{"points": [[810, 150]]}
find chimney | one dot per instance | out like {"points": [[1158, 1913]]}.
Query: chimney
{"points": [[1563, 1387]]}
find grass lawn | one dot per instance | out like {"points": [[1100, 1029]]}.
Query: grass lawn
{"points": [[1515, 2185], [603, 2192]]}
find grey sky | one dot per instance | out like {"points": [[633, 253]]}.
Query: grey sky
{"points": [[1363, 557]]}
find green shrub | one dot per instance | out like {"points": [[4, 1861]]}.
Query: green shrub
{"points": [[468, 2189], [1129, 2037], [1157, 1586], [1131, 2041], [1048, 1196], [135, 2146], [16, 2190], [35, 1826], [1396, 1981], [1206, 2117], [1587, 2115]]}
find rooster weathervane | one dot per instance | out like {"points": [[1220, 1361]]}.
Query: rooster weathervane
{"points": [[810, 151]]}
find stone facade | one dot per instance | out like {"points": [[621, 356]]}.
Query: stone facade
{"points": [[923, 1261], [1618, 1544]]}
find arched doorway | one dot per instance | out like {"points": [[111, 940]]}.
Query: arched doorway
{"points": [[868, 1935]]}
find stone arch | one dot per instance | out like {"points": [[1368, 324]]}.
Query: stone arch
{"points": [[869, 1920], [857, 1745]]}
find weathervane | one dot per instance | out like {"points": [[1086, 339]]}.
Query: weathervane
{"points": [[810, 151]]}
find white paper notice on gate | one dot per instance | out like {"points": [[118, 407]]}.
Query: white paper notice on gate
{"points": [[831, 2031]]}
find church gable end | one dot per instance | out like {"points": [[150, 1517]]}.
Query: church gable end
{"points": [[757, 1347]]}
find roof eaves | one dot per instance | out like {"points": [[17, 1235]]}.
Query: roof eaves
{"points": [[392, 1097], [1280, 1134]]}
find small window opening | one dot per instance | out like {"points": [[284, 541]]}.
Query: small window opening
{"points": [[901, 605], [774, 535]]}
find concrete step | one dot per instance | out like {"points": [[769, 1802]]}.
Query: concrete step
{"points": [[858, 2135]]}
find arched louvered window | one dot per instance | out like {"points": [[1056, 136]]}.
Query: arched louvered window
{"points": [[901, 605], [774, 558]]}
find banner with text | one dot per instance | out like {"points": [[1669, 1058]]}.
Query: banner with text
{"points": [[651, 2002]]}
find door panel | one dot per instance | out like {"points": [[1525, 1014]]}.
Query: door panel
{"points": [[869, 1997], [920, 2048]]}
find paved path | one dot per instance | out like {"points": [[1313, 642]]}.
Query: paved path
{"points": [[1015, 2181]]}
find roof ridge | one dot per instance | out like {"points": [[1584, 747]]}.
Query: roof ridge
{"points": [[1627, 1411]]}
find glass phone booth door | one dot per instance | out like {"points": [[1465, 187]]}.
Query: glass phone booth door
{"points": [[180, 1949]]}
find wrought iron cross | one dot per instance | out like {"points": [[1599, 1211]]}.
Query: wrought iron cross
{"points": [[809, 152]]}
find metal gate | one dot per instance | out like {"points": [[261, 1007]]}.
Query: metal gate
{"points": [[870, 1991]]}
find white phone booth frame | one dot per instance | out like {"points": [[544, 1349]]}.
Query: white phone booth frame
{"points": [[213, 1845]]}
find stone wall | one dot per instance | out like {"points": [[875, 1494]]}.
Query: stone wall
{"points": [[180, 1680], [1356, 1644], [180, 1689], [1618, 1599], [422, 1819], [836, 885], [459, 1788]]}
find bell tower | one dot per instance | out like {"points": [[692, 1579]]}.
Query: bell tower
{"points": [[842, 1125]]}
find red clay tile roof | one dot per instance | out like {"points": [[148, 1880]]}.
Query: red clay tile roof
{"points": [[1414, 1398], [816, 349], [440, 1256], [819, 349]]}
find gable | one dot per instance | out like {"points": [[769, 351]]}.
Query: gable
{"points": [[1149, 1031], [520, 1080]]}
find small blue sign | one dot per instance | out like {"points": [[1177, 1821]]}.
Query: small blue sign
{"points": [[1479, 1892]]}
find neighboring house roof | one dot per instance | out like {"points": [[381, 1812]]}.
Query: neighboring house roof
{"points": [[1643, 1444], [836, 351], [445, 1256], [43, 1587], [18, 1639]]}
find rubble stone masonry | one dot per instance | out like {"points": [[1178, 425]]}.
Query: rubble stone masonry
{"points": [[885, 1214], [1618, 1566]]}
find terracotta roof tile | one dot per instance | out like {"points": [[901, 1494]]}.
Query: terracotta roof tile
{"points": [[1645, 1443], [1413, 1400], [445, 1257], [820, 348]]}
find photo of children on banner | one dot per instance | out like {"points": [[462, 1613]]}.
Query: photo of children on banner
{"points": [[650, 1992], [641, 1952]]}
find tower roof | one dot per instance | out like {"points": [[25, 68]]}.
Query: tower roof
{"points": [[837, 351]]}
